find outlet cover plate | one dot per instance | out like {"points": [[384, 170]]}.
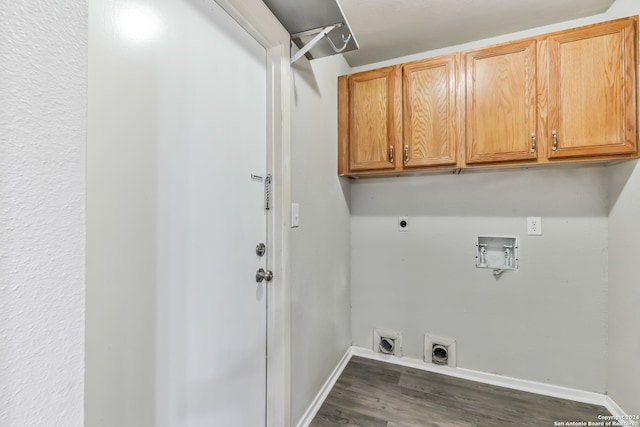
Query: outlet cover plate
{"points": [[403, 223], [534, 226]]}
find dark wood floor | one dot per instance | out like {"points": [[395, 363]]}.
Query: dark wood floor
{"points": [[377, 394]]}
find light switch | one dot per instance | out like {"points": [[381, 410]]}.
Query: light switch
{"points": [[295, 215]]}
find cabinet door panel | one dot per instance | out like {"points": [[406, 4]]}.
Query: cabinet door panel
{"points": [[592, 90], [429, 99], [501, 103], [372, 120]]}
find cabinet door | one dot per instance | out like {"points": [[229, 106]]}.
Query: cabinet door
{"points": [[429, 113], [592, 80], [501, 103], [374, 114]]}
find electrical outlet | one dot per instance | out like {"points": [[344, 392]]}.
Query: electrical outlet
{"points": [[403, 223], [534, 226]]}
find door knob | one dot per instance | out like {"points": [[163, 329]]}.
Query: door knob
{"points": [[261, 275]]}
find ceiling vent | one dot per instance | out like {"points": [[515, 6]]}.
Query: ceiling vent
{"points": [[317, 27]]}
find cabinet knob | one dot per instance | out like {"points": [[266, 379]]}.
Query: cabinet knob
{"points": [[555, 140], [406, 154], [391, 153]]}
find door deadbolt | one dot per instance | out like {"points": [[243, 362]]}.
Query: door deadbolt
{"points": [[261, 275], [261, 249]]}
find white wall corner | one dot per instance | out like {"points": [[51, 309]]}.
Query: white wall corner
{"points": [[619, 414], [317, 402]]}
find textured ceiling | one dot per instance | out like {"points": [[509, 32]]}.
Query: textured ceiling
{"points": [[387, 29]]}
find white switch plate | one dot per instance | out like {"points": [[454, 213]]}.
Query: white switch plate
{"points": [[534, 226], [295, 215]]}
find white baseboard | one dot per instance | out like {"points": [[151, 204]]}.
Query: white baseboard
{"points": [[467, 374], [313, 409], [613, 407], [493, 379], [617, 411]]}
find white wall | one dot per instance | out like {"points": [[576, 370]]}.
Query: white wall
{"points": [[43, 88], [121, 220], [623, 370], [546, 322], [320, 325], [624, 292], [540, 307], [499, 39]]}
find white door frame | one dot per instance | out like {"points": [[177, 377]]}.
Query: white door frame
{"points": [[259, 22]]}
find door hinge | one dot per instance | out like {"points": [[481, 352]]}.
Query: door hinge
{"points": [[267, 192]]}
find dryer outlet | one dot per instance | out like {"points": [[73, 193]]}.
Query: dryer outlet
{"points": [[440, 350], [387, 341]]}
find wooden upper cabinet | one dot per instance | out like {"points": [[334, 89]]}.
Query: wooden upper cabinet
{"points": [[501, 103], [374, 127], [561, 97], [592, 90], [429, 112]]}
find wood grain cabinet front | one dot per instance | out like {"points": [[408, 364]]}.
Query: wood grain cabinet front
{"points": [[501, 119], [430, 119], [402, 118], [562, 97], [370, 128], [592, 91]]}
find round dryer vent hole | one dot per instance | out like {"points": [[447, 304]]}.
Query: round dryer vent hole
{"points": [[387, 345], [440, 354]]}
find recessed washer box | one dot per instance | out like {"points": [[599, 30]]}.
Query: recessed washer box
{"points": [[497, 252]]}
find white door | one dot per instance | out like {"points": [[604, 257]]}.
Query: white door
{"points": [[212, 314]]}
